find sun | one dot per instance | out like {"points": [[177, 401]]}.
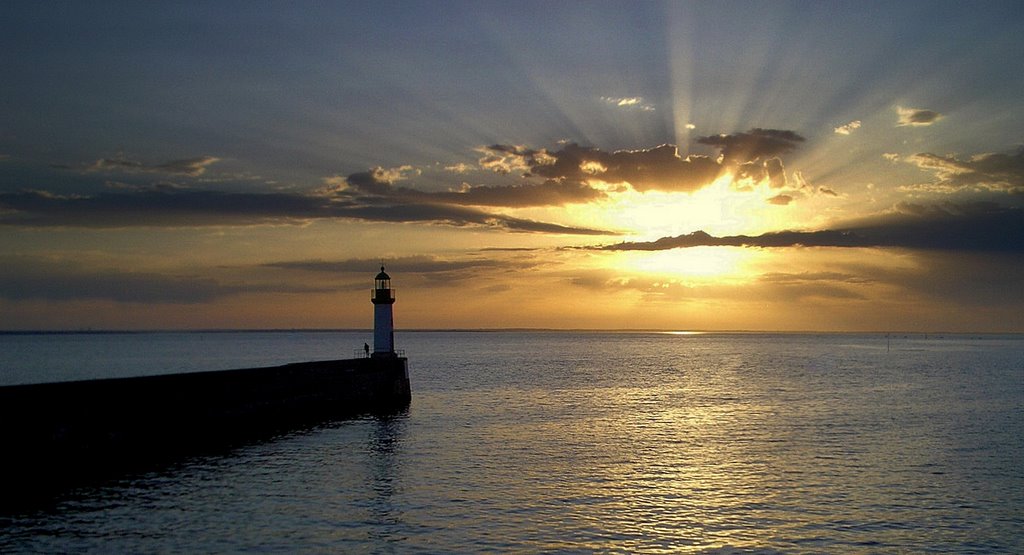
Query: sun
{"points": [[723, 207]]}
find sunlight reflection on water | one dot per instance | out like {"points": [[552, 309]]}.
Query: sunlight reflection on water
{"points": [[614, 443]]}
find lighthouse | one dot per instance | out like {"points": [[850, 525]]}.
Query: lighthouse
{"points": [[383, 317]]}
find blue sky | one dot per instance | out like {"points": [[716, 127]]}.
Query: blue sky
{"points": [[220, 143], [340, 87]]}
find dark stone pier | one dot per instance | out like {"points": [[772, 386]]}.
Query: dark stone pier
{"points": [[56, 434]]}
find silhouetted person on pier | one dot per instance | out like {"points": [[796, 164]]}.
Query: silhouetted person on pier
{"points": [[366, 348]]}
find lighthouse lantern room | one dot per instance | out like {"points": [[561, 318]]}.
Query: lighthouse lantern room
{"points": [[383, 318]]}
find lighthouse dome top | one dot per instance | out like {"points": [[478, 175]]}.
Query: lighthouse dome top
{"points": [[382, 274]]}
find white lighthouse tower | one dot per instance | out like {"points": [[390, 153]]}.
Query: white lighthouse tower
{"points": [[383, 316]]}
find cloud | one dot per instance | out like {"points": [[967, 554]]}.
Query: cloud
{"points": [[790, 287], [548, 193], [949, 279], [992, 172], [753, 145], [156, 207], [169, 207], [969, 227], [966, 279], [847, 128], [429, 268], [570, 175], [192, 167], [376, 181], [41, 278], [775, 172], [771, 287], [916, 117], [754, 155], [979, 288], [628, 102], [505, 159], [460, 217], [461, 167], [771, 170], [805, 277], [404, 264], [470, 272], [658, 168], [38, 278]]}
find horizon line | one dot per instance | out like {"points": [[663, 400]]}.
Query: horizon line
{"points": [[99, 331]]}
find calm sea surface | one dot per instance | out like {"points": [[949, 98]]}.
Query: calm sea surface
{"points": [[570, 442]]}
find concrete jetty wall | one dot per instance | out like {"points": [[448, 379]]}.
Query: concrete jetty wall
{"points": [[60, 431]]}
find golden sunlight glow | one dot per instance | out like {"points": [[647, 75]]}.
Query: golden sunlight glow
{"points": [[721, 208], [696, 263], [725, 207]]}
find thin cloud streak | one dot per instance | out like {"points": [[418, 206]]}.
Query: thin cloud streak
{"points": [[35, 278], [170, 207], [192, 167], [379, 183], [991, 171], [420, 265]]}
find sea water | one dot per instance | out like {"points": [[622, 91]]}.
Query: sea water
{"points": [[577, 442]]}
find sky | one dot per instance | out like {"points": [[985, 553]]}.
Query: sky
{"points": [[778, 166]]}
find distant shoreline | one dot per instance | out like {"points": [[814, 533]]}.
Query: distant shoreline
{"points": [[893, 334]]}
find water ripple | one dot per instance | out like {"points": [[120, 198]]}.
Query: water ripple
{"points": [[610, 443]]}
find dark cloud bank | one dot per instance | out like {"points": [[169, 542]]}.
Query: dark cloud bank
{"points": [[371, 198], [977, 227], [172, 207], [564, 176], [754, 154], [566, 173], [550, 178]]}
